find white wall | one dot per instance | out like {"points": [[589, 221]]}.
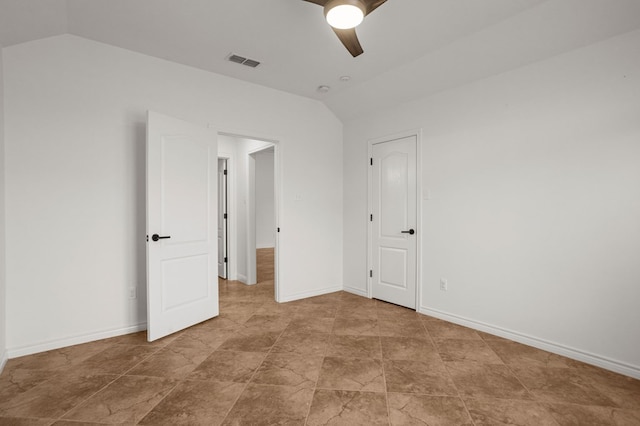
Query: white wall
{"points": [[3, 299], [265, 200], [75, 131], [534, 215]]}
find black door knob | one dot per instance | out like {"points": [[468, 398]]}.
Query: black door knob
{"points": [[156, 237], [410, 232]]}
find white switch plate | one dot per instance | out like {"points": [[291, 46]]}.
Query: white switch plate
{"points": [[444, 285]]}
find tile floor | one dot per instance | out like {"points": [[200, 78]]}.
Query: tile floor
{"points": [[337, 359]]}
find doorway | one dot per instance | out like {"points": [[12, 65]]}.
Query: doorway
{"points": [[263, 202], [393, 220], [252, 216]]}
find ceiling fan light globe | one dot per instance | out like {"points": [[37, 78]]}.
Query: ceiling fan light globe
{"points": [[345, 16]]}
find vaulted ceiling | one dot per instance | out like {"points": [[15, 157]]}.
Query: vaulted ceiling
{"points": [[413, 48]]}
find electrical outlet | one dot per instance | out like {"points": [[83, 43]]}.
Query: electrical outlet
{"points": [[132, 293], [444, 285]]}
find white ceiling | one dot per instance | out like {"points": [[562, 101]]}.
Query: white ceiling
{"points": [[413, 48]]}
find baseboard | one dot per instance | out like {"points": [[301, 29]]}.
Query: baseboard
{"points": [[545, 345], [242, 278], [268, 246], [3, 360], [305, 294], [75, 340], [356, 291]]}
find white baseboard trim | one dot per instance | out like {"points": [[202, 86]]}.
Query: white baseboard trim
{"points": [[242, 278], [305, 294], [545, 345], [267, 246], [356, 291], [75, 340], [3, 360]]}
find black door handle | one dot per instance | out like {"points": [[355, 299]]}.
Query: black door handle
{"points": [[410, 232], [156, 237]]}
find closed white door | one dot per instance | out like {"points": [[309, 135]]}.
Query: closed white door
{"points": [[222, 218], [394, 221], [182, 284]]}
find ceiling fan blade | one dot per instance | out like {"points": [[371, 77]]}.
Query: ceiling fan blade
{"points": [[373, 5], [350, 40], [318, 2]]}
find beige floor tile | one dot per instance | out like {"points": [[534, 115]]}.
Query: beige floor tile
{"points": [[402, 328], [519, 354], [407, 376], [172, 362], [445, 330], [414, 410], [16, 381], [561, 385], [302, 344], [13, 421], [54, 397], [304, 324], [289, 370], [58, 359], [127, 400], [246, 340], [356, 326], [475, 380], [467, 350], [336, 407], [270, 405], [509, 412], [228, 366], [360, 374], [116, 359], [578, 415], [195, 403], [355, 346], [415, 349]]}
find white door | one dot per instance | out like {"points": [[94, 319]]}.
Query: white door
{"points": [[182, 284], [394, 221], [222, 218]]}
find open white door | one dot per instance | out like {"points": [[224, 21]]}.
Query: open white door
{"points": [[222, 218], [393, 219], [182, 284]]}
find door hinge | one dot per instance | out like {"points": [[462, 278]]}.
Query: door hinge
{"points": [[225, 216], [371, 218], [371, 161], [370, 273], [224, 172], [278, 229], [225, 260]]}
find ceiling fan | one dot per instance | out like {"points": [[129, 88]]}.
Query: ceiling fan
{"points": [[344, 16]]}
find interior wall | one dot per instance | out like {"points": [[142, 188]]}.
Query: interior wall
{"points": [[530, 204], [75, 162], [265, 200], [3, 298]]}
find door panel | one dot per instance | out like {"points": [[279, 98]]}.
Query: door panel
{"points": [[394, 205], [182, 286]]}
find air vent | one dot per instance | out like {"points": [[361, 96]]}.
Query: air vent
{"points": [[242, 60]]}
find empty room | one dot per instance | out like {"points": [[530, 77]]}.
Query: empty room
{"points": [[320, 212]]}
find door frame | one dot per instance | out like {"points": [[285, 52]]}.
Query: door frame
{"points": [[226, 210], [370, 143], [277, 186]]}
